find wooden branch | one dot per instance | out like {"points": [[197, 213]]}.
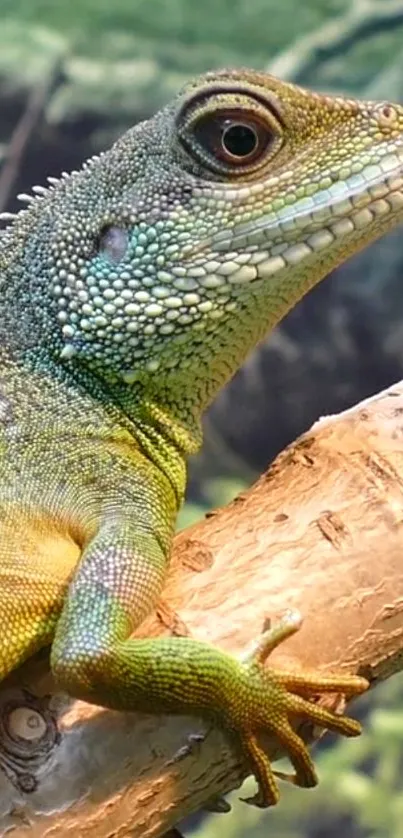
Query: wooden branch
{"points": [[322, 532]]}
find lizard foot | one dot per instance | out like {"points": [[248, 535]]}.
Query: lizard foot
{"points": [[268, 697]]}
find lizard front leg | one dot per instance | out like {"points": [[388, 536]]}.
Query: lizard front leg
{"points": [[93, 656]]}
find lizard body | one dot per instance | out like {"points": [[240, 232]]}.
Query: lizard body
{"points": [[131, 291]]}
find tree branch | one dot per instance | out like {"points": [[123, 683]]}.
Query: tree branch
{"points": [[321, 532]]}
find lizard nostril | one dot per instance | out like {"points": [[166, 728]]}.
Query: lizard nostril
{"points": [[386, 115]]}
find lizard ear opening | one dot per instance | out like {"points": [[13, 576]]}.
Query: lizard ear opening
{"points": [[112, 243]]}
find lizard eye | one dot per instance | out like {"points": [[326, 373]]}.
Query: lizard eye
{"points": [[230, 132], [233, 138]]}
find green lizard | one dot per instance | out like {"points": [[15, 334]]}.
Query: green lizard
{"points": [[131, 292]]}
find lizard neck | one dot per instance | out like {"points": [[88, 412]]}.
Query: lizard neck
{"points": [[164, 432], [42, 399], [150, 408]]}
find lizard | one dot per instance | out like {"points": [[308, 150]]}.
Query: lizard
{"points": [[131, 291]]}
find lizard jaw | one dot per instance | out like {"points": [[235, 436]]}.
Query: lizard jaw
{"points": [[359, 209]]}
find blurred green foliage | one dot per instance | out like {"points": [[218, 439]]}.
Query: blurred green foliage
{"points": [[126, 58], [117, 62], [129, 56]]}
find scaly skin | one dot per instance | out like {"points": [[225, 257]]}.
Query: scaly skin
{"points": [[131, 292]]}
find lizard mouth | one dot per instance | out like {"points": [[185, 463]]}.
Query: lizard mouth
{"points": [[360, 207]]}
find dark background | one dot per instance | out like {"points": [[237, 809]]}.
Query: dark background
{"points": [[73, 76]]}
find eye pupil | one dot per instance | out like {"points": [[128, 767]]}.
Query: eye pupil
{"points": [[239, 140]]}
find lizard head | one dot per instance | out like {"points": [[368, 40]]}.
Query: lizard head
{"points": [[172, 254]]}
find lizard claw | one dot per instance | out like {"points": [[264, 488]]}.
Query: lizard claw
{"points": [[266, 700]]}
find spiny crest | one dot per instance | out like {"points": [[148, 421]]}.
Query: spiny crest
{"points": [[39, 194]]}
